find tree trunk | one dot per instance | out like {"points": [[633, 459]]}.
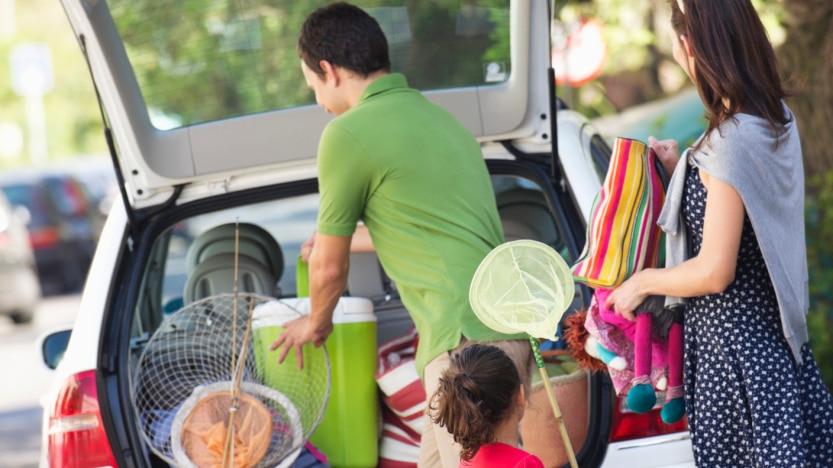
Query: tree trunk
{"points": [[806, 62]]}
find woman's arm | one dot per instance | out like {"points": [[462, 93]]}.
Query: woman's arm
{"points": [[711, 271], [361, 241]]}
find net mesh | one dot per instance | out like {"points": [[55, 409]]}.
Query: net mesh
{"points": [[522, 286], [183, 385]]}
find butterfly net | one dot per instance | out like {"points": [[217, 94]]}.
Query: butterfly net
{"points": [[522, 286]]}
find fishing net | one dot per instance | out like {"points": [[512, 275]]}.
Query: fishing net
{"points": [[208, 392]]}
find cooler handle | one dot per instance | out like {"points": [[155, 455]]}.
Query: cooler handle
{"points": [[302, 278]]}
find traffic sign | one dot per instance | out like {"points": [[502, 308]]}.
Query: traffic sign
{"points": [[31, 65]]}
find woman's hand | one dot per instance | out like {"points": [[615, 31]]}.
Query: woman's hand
{"points": [[667, 151], [626, 298]]}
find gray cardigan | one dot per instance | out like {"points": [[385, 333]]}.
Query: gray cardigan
{"points": [[770, 181]]}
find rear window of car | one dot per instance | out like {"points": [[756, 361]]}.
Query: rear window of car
{"points": [[203, 61], [32, 200]]}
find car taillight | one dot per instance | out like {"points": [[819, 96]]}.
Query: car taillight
{"points": [[76, 433], [5, 239], [628, 425], [43, 238]]}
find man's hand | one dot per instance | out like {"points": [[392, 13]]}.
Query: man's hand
{"points": [[296, 334]]}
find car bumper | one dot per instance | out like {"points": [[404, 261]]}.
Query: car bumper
{"points": [[666, 451]]}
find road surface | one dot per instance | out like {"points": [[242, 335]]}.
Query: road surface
{"points": [[25, 379]]}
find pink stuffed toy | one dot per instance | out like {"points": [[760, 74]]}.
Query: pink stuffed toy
{"points": [[641, 355], [622, 238]]}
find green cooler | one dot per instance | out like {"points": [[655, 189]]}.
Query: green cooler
{"points": [[348, 434]]}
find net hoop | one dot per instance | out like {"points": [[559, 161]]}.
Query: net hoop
{"points": [[182, 459], [522, 286]]}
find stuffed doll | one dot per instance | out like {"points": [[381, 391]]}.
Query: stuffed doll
{"points": [[639, 356], [623, 238]]}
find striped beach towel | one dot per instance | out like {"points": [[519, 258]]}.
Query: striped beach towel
{"points": [[622, 234]]}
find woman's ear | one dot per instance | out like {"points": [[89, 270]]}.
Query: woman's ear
{"points": [[686, 44]]}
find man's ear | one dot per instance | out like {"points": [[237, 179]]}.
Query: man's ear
{"points": [[330, 72]]}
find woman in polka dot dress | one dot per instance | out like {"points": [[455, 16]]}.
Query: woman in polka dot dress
{"points": [[736, 254]]}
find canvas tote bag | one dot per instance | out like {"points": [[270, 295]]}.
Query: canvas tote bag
{"points": [[622, 233]]}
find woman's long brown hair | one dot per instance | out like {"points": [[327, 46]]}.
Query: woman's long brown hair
{"points": [[735, 69]]}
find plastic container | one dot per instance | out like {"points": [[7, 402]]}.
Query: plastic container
{"points": [[307, 389], [348, 434]]}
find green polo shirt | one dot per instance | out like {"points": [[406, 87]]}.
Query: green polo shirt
{"points": [[417, 179]]}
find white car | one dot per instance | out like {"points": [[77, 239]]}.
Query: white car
{"points": [[210, 124], [20, 291]]}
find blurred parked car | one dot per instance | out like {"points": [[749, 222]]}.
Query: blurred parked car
{"points": [[19, 287], [98, 183], [61, 225], [679, 117]]}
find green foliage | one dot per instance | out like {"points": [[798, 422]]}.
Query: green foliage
{"points": [[819, 221], [73, 122], [627, 31], [198, 61]]}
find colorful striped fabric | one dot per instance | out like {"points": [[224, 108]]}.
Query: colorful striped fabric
{"points": [[623, 236]]}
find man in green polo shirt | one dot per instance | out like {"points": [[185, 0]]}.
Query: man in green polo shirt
{"points": [[416, 178]]}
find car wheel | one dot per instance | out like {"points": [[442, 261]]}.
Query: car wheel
{"points": [[22, 318], [74, 274]]}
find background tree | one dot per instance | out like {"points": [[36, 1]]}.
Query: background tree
{"points": [[807, 56]]}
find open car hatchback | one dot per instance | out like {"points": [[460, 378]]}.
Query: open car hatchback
{"points": [[211, 125]]}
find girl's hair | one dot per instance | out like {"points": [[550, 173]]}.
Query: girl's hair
{"points": [[475, 393], [733, 60]]}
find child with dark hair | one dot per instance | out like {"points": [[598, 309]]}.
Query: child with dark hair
{"points": [[480, 401]]}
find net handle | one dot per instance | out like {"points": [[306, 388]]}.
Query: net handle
{"points": [[545, 379]]}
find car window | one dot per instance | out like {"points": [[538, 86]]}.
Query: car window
{"points": [[67, 195], [33, 200], [289, 221], [204, 61]]}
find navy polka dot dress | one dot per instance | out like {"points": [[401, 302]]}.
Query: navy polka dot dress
{"points": [[748, 404]]}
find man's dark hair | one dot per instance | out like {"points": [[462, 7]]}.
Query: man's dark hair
{"points": [[346, 36]]}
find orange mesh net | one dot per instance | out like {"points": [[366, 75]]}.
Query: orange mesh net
{"points": [[205, 430]]}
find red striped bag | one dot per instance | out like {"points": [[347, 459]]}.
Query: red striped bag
{"points": [[403, 402], [622, 235]]}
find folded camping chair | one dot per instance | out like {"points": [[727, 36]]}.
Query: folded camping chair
{"points": [[254, 242], [215, 275]]}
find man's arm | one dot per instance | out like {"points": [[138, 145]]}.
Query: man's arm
{"points": [[329, 263], [360, 243]]}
